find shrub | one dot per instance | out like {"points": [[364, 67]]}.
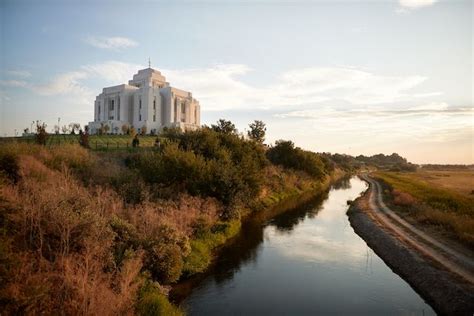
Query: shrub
{"points": [[153, 303], [286, 154], [9, 166]]}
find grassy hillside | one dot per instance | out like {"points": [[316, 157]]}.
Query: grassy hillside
{"points": [[99, 142], [79, 228], [440, 200]]}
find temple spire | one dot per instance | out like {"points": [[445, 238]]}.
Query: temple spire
{"points": [[149, 62]]}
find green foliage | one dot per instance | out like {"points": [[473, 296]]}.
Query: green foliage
{"points": [[153, 303], [201, 247], [286, 154], [164, 261], [224, 127], [257, 131], [131, 187], [206, 163], [126, 240]]}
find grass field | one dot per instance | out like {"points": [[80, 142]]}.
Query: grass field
{"points": [[435, 198], [99, 142], [461, 181]]}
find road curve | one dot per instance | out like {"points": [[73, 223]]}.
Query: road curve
{"points": [[449, 258]]}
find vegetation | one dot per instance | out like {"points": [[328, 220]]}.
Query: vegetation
{"points": [[79, 227], [423, 199], [285, 153]]}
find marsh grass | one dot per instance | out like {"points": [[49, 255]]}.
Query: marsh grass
{"points": [[429, 204]]}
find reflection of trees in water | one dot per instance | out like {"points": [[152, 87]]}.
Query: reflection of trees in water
{"points": [[287, 221], [245, 247], [344, 183]]}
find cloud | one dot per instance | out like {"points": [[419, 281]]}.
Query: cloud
{"points": [[430, 109], [64, 83], [112, 43], [13, 83], [222, 87], [113, 71], [19, 73], [416, 4], [406, 6]]}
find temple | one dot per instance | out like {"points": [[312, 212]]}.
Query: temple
{"points": [[147, 103]]}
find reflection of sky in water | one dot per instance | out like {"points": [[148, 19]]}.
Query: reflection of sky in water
{"points": [[317, 266]]}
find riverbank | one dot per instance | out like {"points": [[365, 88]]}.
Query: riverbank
{"points": [[446, 293], [273, 205]]}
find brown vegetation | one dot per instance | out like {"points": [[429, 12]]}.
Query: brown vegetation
{"points": [[434, 202], [78, 229]]}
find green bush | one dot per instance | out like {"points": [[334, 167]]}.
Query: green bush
{"points": [[201, 248], [285, 153], [206, 163], [153, 303]]}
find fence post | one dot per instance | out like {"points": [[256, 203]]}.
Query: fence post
{"points": [[96, 145], [107, 145]]}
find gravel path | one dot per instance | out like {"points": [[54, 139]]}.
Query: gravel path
{"points": [[443, 254]]}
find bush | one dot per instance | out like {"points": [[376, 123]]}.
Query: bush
{"points": [[285, 153], [153, 303], [206, 163], [9, 166]]}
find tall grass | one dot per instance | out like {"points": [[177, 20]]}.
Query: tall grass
{"points": [[450, 211]]}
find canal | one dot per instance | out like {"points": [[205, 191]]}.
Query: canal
{"points": [[305, 261]]}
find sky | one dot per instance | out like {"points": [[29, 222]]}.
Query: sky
{"points": [[354, 77]]}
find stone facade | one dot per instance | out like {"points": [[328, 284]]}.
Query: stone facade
{"points": [[147, 101]]}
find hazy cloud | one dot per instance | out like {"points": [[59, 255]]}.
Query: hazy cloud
{"points": [[112, 43], [220, 87], [115, 72], [13, 83], [416, 4], [406, 6], [19, 73], [67, 83]]}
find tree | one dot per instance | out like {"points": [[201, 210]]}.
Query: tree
{"points": [[65, 129], [257, 131], [106, 129], [56, 129], [125, 129], [41, 134], [225, 127], [84, 137], [143, 130], [132, 132], [73, 127]]}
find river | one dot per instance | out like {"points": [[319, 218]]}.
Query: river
{"points": [[305, 261]]}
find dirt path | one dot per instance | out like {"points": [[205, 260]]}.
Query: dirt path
{"points": [[440, 274], [449, 258]]}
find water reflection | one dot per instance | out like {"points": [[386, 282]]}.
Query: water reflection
{"points": [[302, 262]]}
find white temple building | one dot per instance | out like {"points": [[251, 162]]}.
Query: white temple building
{"points": [[147, 101]]}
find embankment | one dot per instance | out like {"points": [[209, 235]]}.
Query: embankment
{"points": [[446, 293]]}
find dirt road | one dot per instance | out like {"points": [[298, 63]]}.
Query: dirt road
{"points": [[442, 275], [449, 258]]}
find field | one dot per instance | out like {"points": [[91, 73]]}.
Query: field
{"points": [[458, 181], [442, 200], [99, 142]]}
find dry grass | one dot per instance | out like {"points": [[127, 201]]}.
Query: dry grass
{"points": [[460, 181], [57, 245], [434, 198]]}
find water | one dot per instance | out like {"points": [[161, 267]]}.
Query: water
{"points": [[303, 262]]}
